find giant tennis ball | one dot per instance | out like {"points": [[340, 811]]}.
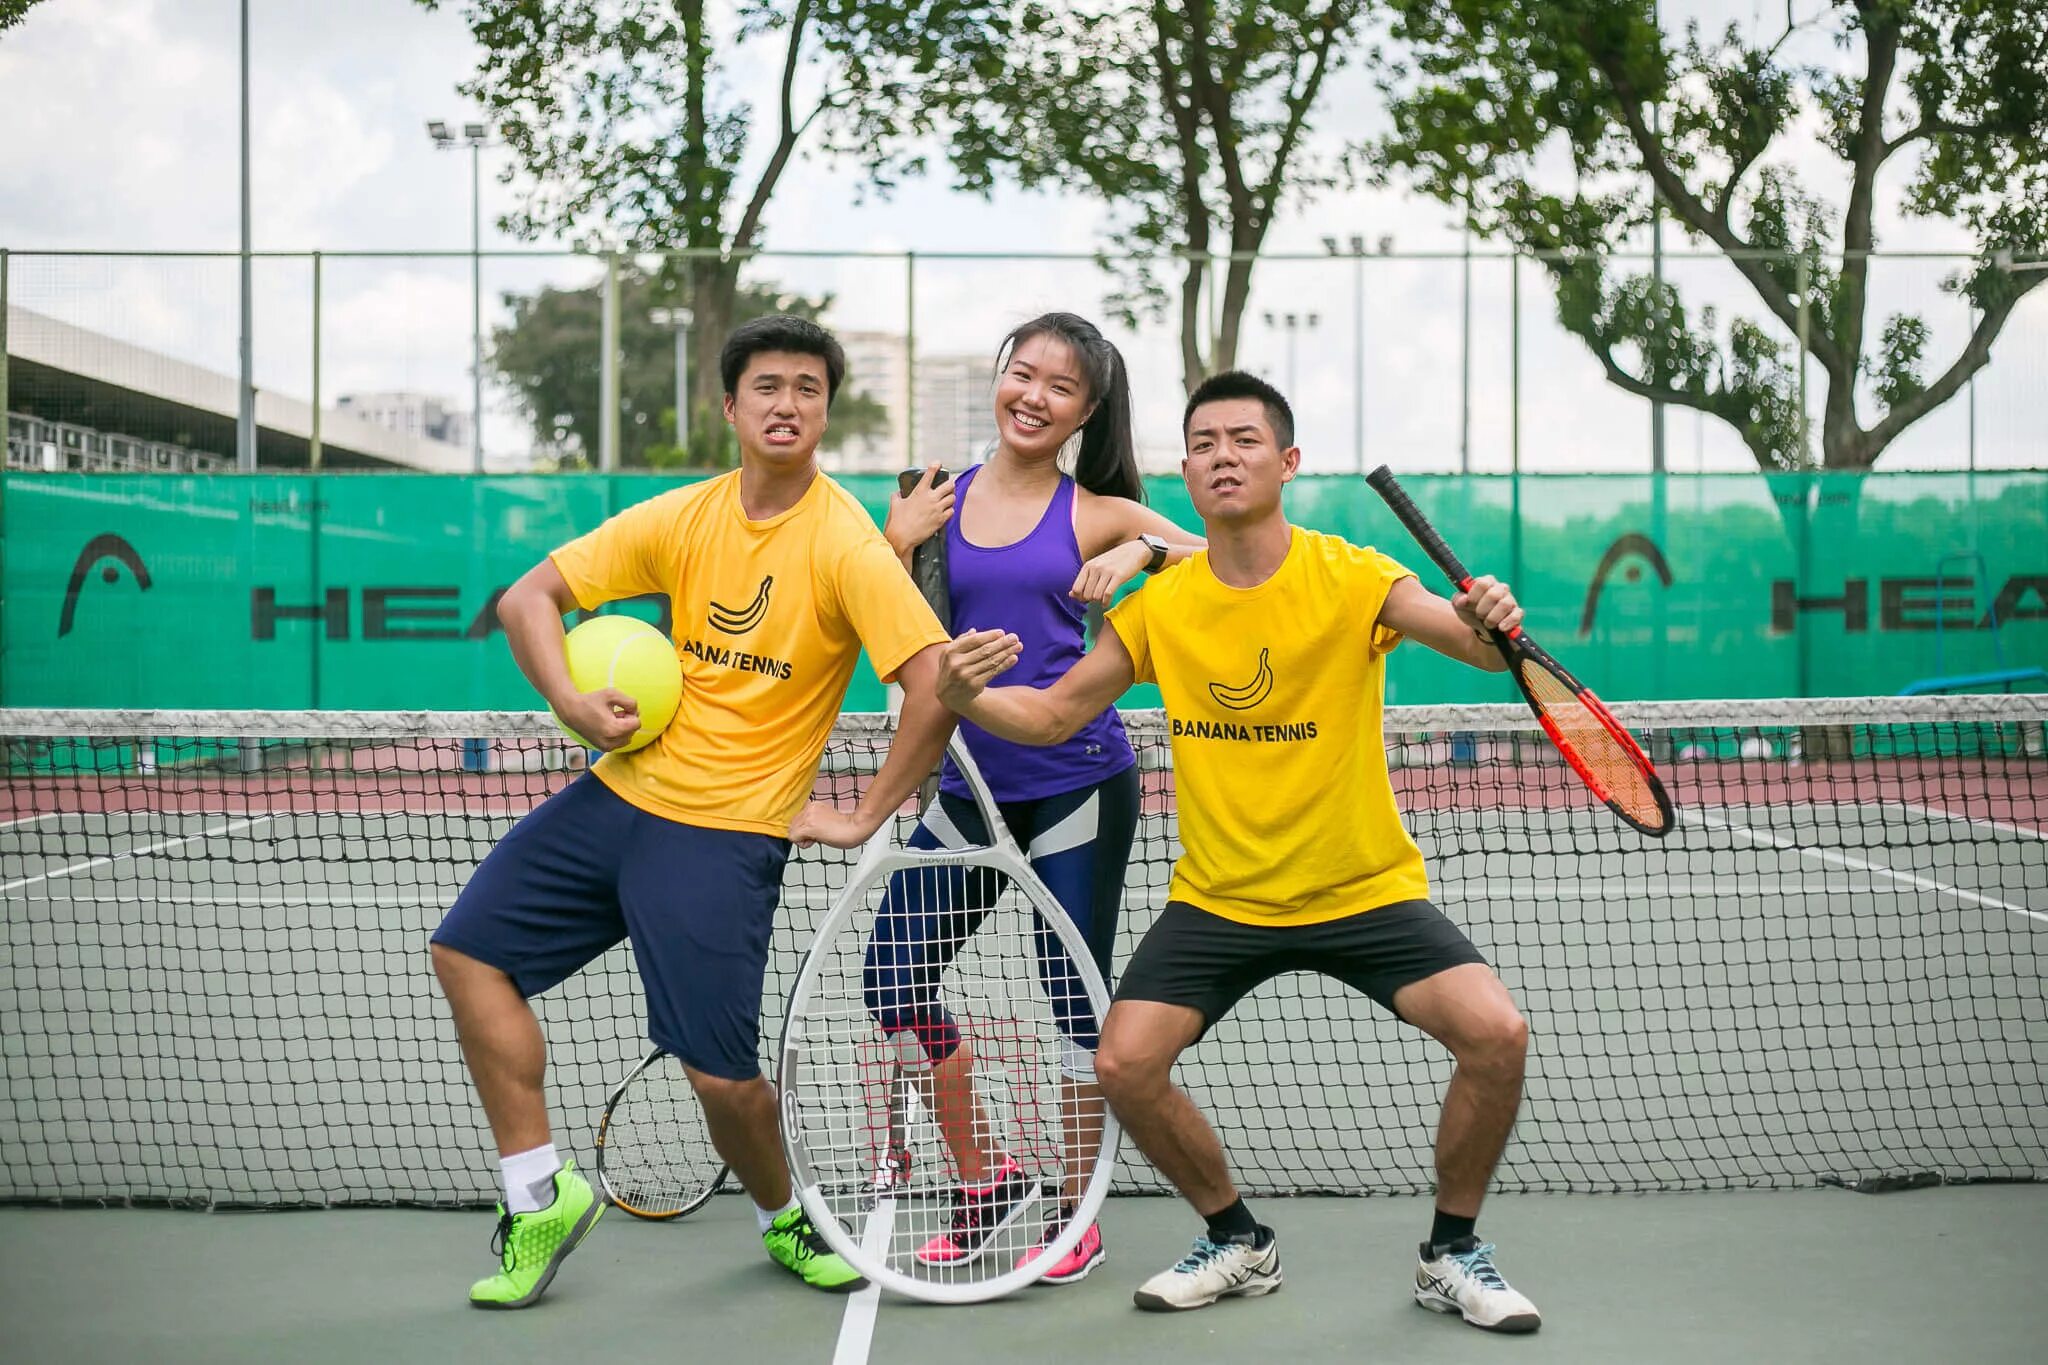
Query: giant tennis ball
{"points": [[627, 653]]}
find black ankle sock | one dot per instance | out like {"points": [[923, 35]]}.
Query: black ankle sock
{"points": [[1449, 1228], [1234, 1224]]}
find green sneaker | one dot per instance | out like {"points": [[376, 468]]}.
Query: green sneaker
{"points": [[532, 1246], [796, 1246]]}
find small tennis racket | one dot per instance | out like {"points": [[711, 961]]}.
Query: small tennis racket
{"points": [[654, 1154], [1604, 755], [947, 1003]]}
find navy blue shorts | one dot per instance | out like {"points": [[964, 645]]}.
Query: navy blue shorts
{"points": [[1078, 843], [587, 868]]}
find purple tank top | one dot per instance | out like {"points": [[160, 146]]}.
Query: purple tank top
{"points": [[1022, 588]]}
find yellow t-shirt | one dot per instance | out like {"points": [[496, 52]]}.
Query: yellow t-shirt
{"points": [[769, 619], [1273, 698]]}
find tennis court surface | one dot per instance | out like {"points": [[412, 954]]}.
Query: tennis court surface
{"points": [[216, 996]]}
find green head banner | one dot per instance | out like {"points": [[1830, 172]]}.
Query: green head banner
{"points": [[371, 591]]}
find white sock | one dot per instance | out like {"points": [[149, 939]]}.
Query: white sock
{"points": [[529, 1179], [766, 1217]]}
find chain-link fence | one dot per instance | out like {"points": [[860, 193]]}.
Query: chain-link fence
{"points": [[1444, 361]]}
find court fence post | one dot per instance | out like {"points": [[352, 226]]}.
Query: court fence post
{"points": [[1804, 271], [313, 445], [1515, 363], [608, 368], [28, 450], [910, 359], [4, 263]]}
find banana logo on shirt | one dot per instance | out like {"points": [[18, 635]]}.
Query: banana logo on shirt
{"points": [[738, 621], [1245, 696]]}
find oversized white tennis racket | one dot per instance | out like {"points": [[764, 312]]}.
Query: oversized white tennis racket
{"points": [[944, 1018]]}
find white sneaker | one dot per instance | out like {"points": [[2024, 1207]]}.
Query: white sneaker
{"points": [[1465, 1283], [1211, 1271]]}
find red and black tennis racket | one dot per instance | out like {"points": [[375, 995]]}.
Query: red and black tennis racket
{"points": [[1600, 751]]}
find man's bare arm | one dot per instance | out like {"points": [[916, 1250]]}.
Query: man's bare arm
{"points": [[1031, 715], [531, 611], [1460, 628]]}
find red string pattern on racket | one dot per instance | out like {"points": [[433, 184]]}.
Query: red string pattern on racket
{"points": [[1615, 772]]}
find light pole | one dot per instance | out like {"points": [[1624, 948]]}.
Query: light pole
{"points": [[1293, 324], [1465, 352], [476, 137], [1657, 263], [1356, 252], [245, 386], [680, 319]]}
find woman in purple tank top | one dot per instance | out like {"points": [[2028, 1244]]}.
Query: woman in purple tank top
{"points": [[1029, 549]]}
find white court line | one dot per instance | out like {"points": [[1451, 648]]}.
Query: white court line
{"points": [[144, 851], [857, 1326], [28, 819], [1843, 860], [1999, 825], [282, 901], [1569, 893], [1625, 891], [309, 813]]}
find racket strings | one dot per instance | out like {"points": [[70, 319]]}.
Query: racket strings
{"points": [[656, 1159], [1612, 765], [946, 1078]]}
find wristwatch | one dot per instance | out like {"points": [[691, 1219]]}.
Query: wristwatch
{"points": [[1159, 549]]}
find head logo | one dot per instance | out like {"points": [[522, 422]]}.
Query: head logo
{"points": [[1635, 544], [740, 620], [106, 546], [1245, 696]]}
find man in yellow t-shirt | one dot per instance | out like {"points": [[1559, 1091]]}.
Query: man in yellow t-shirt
{"points": [[776, 579], [1269, 649]]}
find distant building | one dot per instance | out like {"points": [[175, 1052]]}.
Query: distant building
{"points": [[410, 414], [956, 420], [83, 400], [877, 365]]}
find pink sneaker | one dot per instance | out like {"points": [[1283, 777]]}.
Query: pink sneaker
{"points": [[979, 1213], [1081, 1258]]}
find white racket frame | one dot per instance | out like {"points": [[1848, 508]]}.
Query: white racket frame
{"points": [[867, 1252]]}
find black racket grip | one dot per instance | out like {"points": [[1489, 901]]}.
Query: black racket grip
{"points": [[928, 560], [1384, 484]]}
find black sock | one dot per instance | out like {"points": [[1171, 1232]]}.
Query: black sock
{"points": [[1448, 1229], [1234, 1224]]}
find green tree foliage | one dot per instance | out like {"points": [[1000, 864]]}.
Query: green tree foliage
{"points": [[548, 355], [626, 133], [1189, 121], [13, 12], [1555, 122]]}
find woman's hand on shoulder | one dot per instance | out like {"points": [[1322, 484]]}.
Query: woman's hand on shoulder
{"points": [[921, 515]]}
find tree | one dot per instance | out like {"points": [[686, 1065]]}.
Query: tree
{"points": [[548, 355], [1564, 124], [1188, 121], [13, 12], [617, 116]]}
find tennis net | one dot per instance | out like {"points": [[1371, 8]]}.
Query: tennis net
{"points": [[216, 991]]}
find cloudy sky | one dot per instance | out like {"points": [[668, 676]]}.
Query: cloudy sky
{"points": [[121, 135]]}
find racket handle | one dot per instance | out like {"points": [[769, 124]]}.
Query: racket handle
{"points": [[928, 560], [928, 571], [1383, 483]]}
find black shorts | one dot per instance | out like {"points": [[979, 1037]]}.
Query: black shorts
{"points": [[1208, 963]]}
